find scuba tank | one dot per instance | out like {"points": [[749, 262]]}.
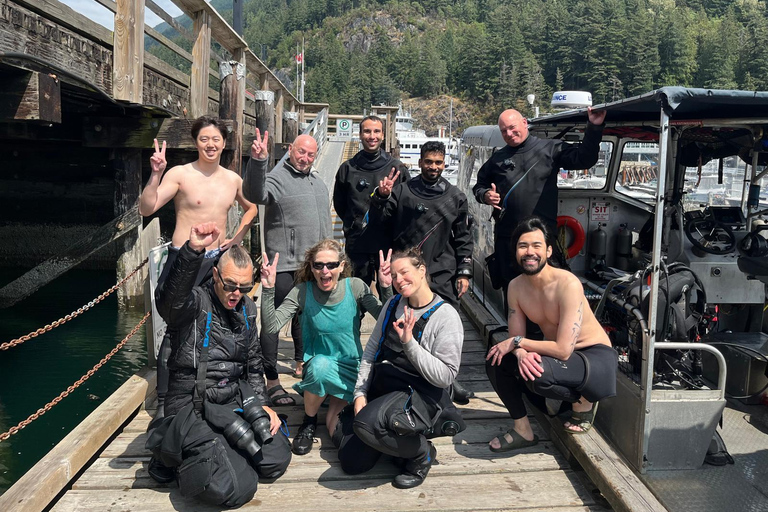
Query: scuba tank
{"points": [[598, 243], [623, 247]]}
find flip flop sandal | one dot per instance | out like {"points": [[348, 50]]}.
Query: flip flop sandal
{"points": [[518, 442], [584, 420], [276, 393]]}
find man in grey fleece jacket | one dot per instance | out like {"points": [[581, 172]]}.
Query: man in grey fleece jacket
{"points": [[298, 215]]}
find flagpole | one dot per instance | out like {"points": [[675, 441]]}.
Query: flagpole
{"points": [[302, 70], [297, 69]]}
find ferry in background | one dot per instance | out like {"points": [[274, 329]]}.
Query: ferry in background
{"points": [[411, 139]]}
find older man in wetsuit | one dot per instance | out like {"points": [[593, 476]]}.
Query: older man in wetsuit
{"points": [[574, 362], [521, 180], [298, 215]]}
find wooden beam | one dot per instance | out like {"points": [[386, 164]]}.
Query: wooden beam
{"points": [[120, 132], [279, 116], [265, 117], [290, 126], [75, 254], [39, 486], [128, 51], [22, 30], [231, 105], [170, 20], [201, 58], [57, 14], [154, 34], [126, 164], [223, 33], [176, 133], [31, 96]]}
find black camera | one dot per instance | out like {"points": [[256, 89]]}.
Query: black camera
{"points": [[259, 420]]}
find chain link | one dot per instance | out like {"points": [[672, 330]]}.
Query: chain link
{"points": [[74, 314], [13, 430]]}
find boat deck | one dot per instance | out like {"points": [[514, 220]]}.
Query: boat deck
{"points": [[742, 486], [469, 476]]}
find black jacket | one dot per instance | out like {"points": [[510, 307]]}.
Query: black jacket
{"points": [[433, 218], [194, 313], [355, 181], [536, 193]]}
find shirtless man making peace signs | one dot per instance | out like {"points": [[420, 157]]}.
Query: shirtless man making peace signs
{"points": [[202, 191]]}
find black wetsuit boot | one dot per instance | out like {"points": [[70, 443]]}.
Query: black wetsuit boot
{"points": [[416, 469]]}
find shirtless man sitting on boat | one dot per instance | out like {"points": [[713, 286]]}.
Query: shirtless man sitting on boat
{"points": [[202, 191], [574, 363]]}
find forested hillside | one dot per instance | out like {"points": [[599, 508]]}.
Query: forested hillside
{"points": [[492, 53]]}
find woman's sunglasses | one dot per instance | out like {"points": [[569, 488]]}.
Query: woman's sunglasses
{"points": [[332, 265]]}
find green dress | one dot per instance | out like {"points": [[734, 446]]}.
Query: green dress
{"points": [[332, 348]]}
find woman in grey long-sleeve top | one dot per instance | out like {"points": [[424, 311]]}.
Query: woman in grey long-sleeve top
{"points": [[413, 354]]}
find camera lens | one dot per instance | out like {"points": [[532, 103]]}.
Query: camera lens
{"points": [[239, 435], [259, 420], [450, 428]]}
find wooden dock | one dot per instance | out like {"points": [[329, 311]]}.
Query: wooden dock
{"points": [[469, 476]]}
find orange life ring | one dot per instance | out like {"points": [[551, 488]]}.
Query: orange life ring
{"points": [[579, 236]]}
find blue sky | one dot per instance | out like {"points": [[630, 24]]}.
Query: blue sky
{"points": [[103, 16]]}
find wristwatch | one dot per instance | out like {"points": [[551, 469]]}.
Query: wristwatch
{"points": [[516, 342]]}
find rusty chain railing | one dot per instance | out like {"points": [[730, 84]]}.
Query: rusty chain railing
{"points": [[74, 314], [13, 430]]}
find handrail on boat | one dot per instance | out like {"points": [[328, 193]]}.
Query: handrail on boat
{"points": [[721, 365]]}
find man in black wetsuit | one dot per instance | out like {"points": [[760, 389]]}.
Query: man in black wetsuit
{"points": [[429, 213], [520, 180], [355, 181]]}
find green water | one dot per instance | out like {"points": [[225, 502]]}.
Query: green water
{"points": [[35, 372]]}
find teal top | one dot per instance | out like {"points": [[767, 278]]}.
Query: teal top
{"points": [[332, 330], [330, 325]]}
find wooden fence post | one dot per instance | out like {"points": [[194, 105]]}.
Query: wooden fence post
{"points": [[231, 106], [128, 51], [279, 116], [265, 117], [127, 166], [290, 126], [201, 62]]}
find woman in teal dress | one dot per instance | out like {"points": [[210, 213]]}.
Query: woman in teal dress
{"points": [[330, 305]]}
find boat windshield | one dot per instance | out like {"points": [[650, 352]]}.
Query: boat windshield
{"points": [[592, 178]]}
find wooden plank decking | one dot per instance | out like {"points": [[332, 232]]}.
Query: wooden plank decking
{"points": [[469, 476]]}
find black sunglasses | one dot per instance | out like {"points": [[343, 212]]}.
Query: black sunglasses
{"points": [[229, 288], [332, 265], [232, 287]]}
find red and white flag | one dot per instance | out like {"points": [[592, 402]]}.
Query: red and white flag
{"points": [[299, 58]]}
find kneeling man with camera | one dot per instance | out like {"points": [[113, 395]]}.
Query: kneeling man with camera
{"points": [[217, 437]]}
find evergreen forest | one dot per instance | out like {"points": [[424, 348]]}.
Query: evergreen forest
{"points": [[490, 54]]}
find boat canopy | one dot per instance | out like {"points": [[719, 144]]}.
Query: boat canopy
{"points": [[680, 104]]}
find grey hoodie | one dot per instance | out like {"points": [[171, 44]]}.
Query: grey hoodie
{"points": [[298, 213]]}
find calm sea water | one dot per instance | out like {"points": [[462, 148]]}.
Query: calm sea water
{"points": [[35, 372]]}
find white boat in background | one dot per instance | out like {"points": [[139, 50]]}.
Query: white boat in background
{"points": [[411, 139]]}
